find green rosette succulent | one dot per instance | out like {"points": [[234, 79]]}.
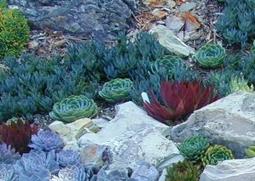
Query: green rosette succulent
{"points": [[250, 152], [73, 108], [240, 84], [167, 62], [210, 55], [215, 154], [116, 90], [182, 171], [193, 148]]}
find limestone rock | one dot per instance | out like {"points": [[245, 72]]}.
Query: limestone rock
{"points": [[145, 172], [168, 39], [229, 121], [133, 136], [230, 170]]}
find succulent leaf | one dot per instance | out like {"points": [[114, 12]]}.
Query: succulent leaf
{"points": [[73, 108], [7, 173], [8, 154], [68, 158], [250, 152]]}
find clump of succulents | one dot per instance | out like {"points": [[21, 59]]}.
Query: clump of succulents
{"points": [[14, 32], [193, 147], [215, 154], [73, 173], [36, 165], [73, 108], [210, 55], [68, 157], [46, 140], [116, 90], [178, 100], [182, 171], [7, 173], [240, 84], [17, 133], [250, 151], [8, 154]]}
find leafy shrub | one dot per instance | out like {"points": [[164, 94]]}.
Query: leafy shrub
{"points": [[46, 140], [179, 100], [73, 108], [215, 154], [17, 134], [14, 32], [182, 171], [116, 90], [210, 55], [193, 147], [8, 154], [250, 152], [237, 22], [36, 165]]}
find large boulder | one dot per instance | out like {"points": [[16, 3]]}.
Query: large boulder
{"points": [[230, 170], [97, 18], [229, 121], [133, 136]]}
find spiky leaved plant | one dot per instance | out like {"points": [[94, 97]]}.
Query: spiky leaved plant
{"points": [[73, 108], [8, 154], [215, 154], [192, 148], [240, 84], [116, 90], [179, 100], [7, 173], [182, 171], [210, 55], [46, 140], [17, 133]]}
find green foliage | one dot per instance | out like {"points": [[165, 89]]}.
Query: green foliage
{"points": [[237, 22], [250, 152], [182, 171], [14, 32], [73, 108], [215, 154], [193, 147], [240, 84], [210, 55], [116, 90]]}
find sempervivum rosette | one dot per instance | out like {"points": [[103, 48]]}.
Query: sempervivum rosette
{"points": [[73, 108], [215, 154], [210, 55], [116, 90], [193, 147]]}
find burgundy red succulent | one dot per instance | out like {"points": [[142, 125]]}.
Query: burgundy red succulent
{"points": [[179, 99], [17, 134]]}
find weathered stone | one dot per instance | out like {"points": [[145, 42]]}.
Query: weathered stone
{"points": [[114, 175], [230, 170], [133, 136], [174, 23], [145, 172], [96, 18], [168, 39], [163, 175], [187, 6], [229, 121]]}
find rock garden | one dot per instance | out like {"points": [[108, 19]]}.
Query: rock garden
{"points": [[127, 90]]}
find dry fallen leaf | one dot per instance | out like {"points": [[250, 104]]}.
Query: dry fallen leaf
{"points": [[191, 19], [155, 3]]}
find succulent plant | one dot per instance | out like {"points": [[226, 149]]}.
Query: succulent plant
{"points": [[180, 99], [7, 173], [17, 133], [116, 90], [36, 165], [250, 152], [240, 84], [73, 108], [73, 173], [210, 55], [68, 158], [215, 154], [193, 147], [8, 154], [182, 171], [46, 140]]}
